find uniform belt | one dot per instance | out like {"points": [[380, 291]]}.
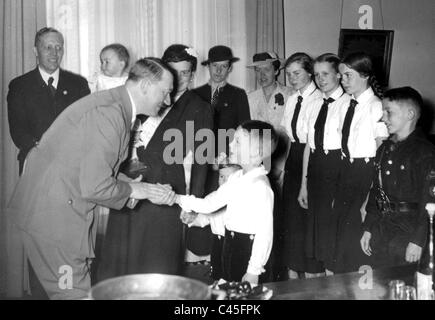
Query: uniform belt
{"points": [[235, 234], [403, 207], [326, 151]]}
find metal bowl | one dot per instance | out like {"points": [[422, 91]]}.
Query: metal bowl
{"points": [[150, 286]]}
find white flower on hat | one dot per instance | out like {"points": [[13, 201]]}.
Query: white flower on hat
{"points": [[192, 52]]}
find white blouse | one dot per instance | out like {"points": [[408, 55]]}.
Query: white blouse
{"points": [[309, 95], [332, 135], [249, 201], [366, 125], [271, 111]]}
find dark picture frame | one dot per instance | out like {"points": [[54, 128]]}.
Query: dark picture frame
{"points": [[376, 43]]}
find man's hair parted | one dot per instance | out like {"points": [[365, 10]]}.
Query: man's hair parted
{"points": [[44, 31], [148, 68]]}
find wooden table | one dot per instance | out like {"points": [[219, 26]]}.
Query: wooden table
{"points": [[348, 286]]}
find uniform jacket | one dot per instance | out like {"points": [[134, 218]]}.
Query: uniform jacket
{"points": [[74, 168], [31, 109], [408, 171]]}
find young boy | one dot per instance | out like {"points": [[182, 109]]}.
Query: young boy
{"points": [[216, 222], [249, 200], [396, 224], [115, 60]]}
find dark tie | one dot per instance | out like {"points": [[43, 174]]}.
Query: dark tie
{"points": [[51, 88], [295, 118], [319, 126], [215, 97], [346, 127]]}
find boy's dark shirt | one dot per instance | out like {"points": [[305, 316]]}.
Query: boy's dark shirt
{"points": [[408, 175]]}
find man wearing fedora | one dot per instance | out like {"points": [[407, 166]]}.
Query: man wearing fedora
{"points": [[231, 108], [267, 103]]}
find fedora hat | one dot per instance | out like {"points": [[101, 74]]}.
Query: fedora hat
{"points": [[264, 58], [219, 53]]}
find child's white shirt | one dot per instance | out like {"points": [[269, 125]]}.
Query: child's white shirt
{"points": [[100, 82], [249, 201], [215, 220]]}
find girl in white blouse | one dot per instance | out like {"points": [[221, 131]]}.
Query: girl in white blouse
{"points": [[322, 157], [299, 71], [362, 132]]}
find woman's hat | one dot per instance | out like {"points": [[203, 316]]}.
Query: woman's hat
{"points": [[219, 53], [264, 58]]}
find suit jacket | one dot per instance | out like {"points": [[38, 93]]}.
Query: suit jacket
{"points": [[232, 107], [31, 109], [74, 168]]}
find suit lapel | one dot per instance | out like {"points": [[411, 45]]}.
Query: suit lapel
{"points": [[61, 85]]}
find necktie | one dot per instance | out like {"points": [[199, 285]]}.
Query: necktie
{"points": [[346, 127], [295, 118], [319, 126], [50, 87], [214, 98]]}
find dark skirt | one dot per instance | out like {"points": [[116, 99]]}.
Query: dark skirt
{"points": [[322, 178], [295, 217], [353, 187], [112, 257], [147, 239]]}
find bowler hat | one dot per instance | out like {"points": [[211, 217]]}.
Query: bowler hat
{"points": [[219, 53], [264, 58]]}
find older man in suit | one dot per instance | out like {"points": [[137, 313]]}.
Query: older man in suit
{"points": [[74, 168], [36, 98]]}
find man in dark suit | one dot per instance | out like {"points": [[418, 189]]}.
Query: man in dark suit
{"points": [[231, 108], [36, 98], [75, 167]]}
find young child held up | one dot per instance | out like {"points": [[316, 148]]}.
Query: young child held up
{"points": [[248, 198], [115, 61]]}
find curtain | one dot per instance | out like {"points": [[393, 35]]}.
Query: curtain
{"points": [[147, 28], [266, 32], [19, 22]]}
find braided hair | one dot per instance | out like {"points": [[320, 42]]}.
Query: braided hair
{"points": [[362, 63]]}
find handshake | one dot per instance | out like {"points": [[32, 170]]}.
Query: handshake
{"points": [[160, 194]]}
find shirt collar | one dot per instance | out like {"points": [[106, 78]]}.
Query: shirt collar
{"points": [[256, 172], [216, 86], [365, 96], [336, 94], [45, 76], [133, 107], [310, 89]]}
